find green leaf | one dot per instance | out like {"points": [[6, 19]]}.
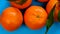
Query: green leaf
{"points": [[59, 16], [50, 21], [48, 25], [51, 16]]}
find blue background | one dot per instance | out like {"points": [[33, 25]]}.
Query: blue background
{"points": [[55, 29]]}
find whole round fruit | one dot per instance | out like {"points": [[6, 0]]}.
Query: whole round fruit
{"points": [[35, 17], [11, 18]]}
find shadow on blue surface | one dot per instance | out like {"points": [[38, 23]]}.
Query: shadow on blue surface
{"points": [[55, 29]]}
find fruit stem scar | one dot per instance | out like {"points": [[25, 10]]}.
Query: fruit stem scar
{"points": [[38, 16]]}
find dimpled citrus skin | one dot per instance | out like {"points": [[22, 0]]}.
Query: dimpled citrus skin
{"points": [[35, 17], [11, 18]]}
